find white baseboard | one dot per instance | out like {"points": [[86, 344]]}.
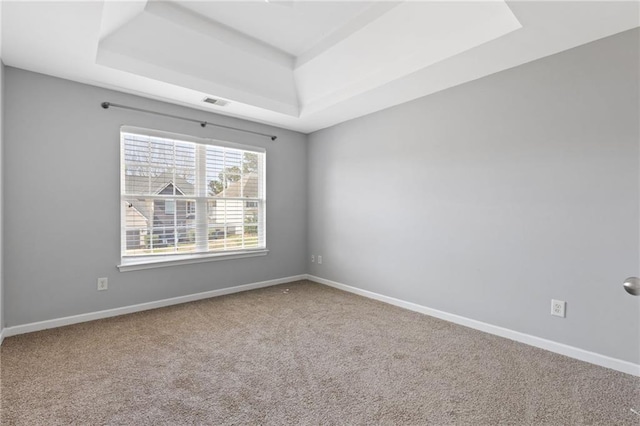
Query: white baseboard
{"points": [[560, 348], [60, 322]]}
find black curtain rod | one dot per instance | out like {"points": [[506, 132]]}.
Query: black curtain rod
{"points": [[106, 105]]}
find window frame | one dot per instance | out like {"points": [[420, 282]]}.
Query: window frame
{"points": [[133, 262]]}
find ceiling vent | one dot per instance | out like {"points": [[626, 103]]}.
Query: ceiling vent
{"points": [[216, 102]]}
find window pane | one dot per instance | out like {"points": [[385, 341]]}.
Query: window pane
{"points": [[137, 150], [250, 162], [185, 182], [161, 152], [232, 158], [137, 180], [232, 186], [169, 206], [214, 172], [159, 226], [250, 187], [185, 168], [186, 237], [251, 236]]}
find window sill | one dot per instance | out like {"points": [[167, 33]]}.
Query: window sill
{"points": [[138, 263]]}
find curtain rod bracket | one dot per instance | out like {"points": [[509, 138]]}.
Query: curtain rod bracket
{"points": [[203, 124]]}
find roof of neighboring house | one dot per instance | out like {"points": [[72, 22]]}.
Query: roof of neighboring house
{"points": [[246, 187], [135, 219], [143, 208], [153, 185]]}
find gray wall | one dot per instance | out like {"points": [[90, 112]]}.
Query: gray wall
{"points": [[489, 199], [61, 217]]}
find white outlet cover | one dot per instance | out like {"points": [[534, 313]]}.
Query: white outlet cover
{"points": [[319, 260], [558, 308], [103, 284]]}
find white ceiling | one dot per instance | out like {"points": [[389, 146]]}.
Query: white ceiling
{"points": [[302, 65], [293, 27]]}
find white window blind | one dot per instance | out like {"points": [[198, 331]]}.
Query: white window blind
{"points": [[183, 197]]}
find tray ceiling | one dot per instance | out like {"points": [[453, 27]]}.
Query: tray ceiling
{"points": [[302, 65]]}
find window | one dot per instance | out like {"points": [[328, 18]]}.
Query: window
{"points": [[191, 208], [169, 207], [187, 196]]}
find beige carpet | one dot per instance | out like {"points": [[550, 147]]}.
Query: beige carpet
{"points": [[300, 353]]}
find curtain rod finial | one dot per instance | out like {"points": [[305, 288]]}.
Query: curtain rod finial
{"points": [[105, 105]]}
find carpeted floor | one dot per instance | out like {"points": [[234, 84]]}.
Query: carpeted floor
{"points": [[302, 354]]}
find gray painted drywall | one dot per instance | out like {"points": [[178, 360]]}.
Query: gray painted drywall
{"points": [[62, 230], [489, 199]]}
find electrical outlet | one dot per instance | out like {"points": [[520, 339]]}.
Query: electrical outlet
{"points": [[103, 284], [319, 260], [313, 258], [558, 308]]}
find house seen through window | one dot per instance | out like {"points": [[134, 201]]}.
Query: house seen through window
{"points": [[185, 197]]}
